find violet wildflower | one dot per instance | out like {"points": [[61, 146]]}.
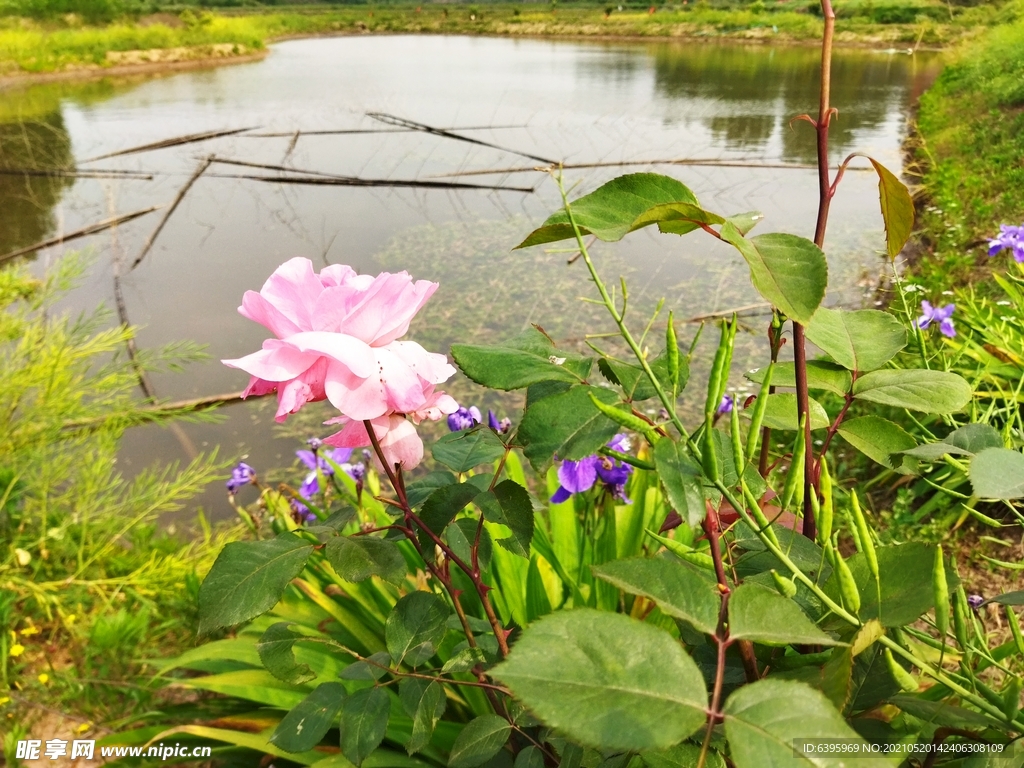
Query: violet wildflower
{"points": [[241, 475], [312, 460], [975, 601], [501, 427], [725, 406], [301, 513], [940, 315], [1010, 238], [464, 418], [580, 476]]}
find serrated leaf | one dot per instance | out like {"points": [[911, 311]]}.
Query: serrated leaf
{"points": [[820, 375], [780, 412], [788, 271], [636, 386], [567, 424], [880, 440], [509, 504], [861, 340], [681, 479], [997, 473], [683, 755], [531, 757], [464, 660], [275, 650], [479, 741], [468, 448], [610, 210], [837, 677], [763, 719], [418, 491], [460, 535], [764, 616], [415, 627], [371, 668], [607, 681], [364, 721], [357, 558], [248, 578], [915, 390], [442, 506], [519, 362], [965, 441], [676, 588], [425, 702], [943, 713], [676, 218], [897, 209], [303, 727]]}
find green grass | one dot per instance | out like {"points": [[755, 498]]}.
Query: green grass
{"points": [[63, 42], [971, 141]]}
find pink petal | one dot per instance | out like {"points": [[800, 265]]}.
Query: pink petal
{"points": [[402, 445], [435, 406], [355, 397], [347, 350], [336, 274], [257, 308], [430, 366], [277, 361], [258, 386], [293, 290], [307, 387], [412, 300]]}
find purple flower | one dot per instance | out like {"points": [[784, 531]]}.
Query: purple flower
{"points": [[315, 443], [241, 475], [725, 406], [501, 427], [318, 458], [464, 418], [580, 476], [975, 601], [301, 513], [1010, 238], [942, 316]]}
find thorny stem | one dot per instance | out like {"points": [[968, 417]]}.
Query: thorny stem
{"points": [[710, 524], [394, 475]]}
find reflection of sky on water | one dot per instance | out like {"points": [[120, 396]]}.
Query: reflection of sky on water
{"points": [[582, 103]]}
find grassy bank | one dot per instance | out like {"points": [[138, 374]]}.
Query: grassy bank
{"points": [[970, 146], [63, 42]]}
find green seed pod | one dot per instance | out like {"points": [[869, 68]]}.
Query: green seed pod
{"points": [[1018, 639], [1011, 697], [786, 587], [795, 477], [940, 591], [961, 615], [757, 414], [626, 419], [672, 356], [824, 517], [709, 457], [994, 698], [737, 446], [905, 680], [847, 584], [867, 546], [720, 371]]}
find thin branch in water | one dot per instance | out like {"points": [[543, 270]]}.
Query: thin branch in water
{"points": [[761, 305], [344, 182], [268, 167], [177, 141], [59, 174], [358, 131], [177, 201], [706, 162], [157, 411], [92, 229], [412, 125]]}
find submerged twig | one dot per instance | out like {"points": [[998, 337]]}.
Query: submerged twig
{"points": [[59, 174], [90, 230], [282, 168], [357, 131], [177, 141], [177, 200], [157, 411], [413, 125], [331, 181], [708, 162]]}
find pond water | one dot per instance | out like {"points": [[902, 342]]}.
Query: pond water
{"points": [[580, 103]]}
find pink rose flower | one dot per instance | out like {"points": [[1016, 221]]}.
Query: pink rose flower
{"points": [[336, 338]]}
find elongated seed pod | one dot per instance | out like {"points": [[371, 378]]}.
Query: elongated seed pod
{"points": [[961, 615], [672, 356], [709, 456], [824, 518], [786, 587], [757, 414], [847, 584], [737, 447], [626, 419], [1018, 638], [795, 477], [1011, 698], [719, 373], [864, 534], [940, 591], [903, 678], [994, 698]]}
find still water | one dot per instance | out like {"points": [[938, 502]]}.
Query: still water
{"points": [[579, 103]]}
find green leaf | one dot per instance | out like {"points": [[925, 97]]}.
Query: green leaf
{"points": [[837, 677], [744, 222], [248, 579], [460, 535], [519, 362], [566, 424], [915, 390], [862, 340], [683, 755], [419, 491], [905, 583], [820, 375], [998, 473], [763, 719], [764, 616], [275, 650], [681, 479], [897, 209], [789, 271], [415, 627], [531, 757], [1008, 598], [509, 504], [942, 713], [357, 558], [443, 505], [677, 588], [636, 386], [676, 218], [371, 668], [464, 660], [607, 681], [965, 441], [468, 448], [880, 440], [610, 210], [306, 724], [479, 741], [780, 412], [425, 702], [364, 721]]}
